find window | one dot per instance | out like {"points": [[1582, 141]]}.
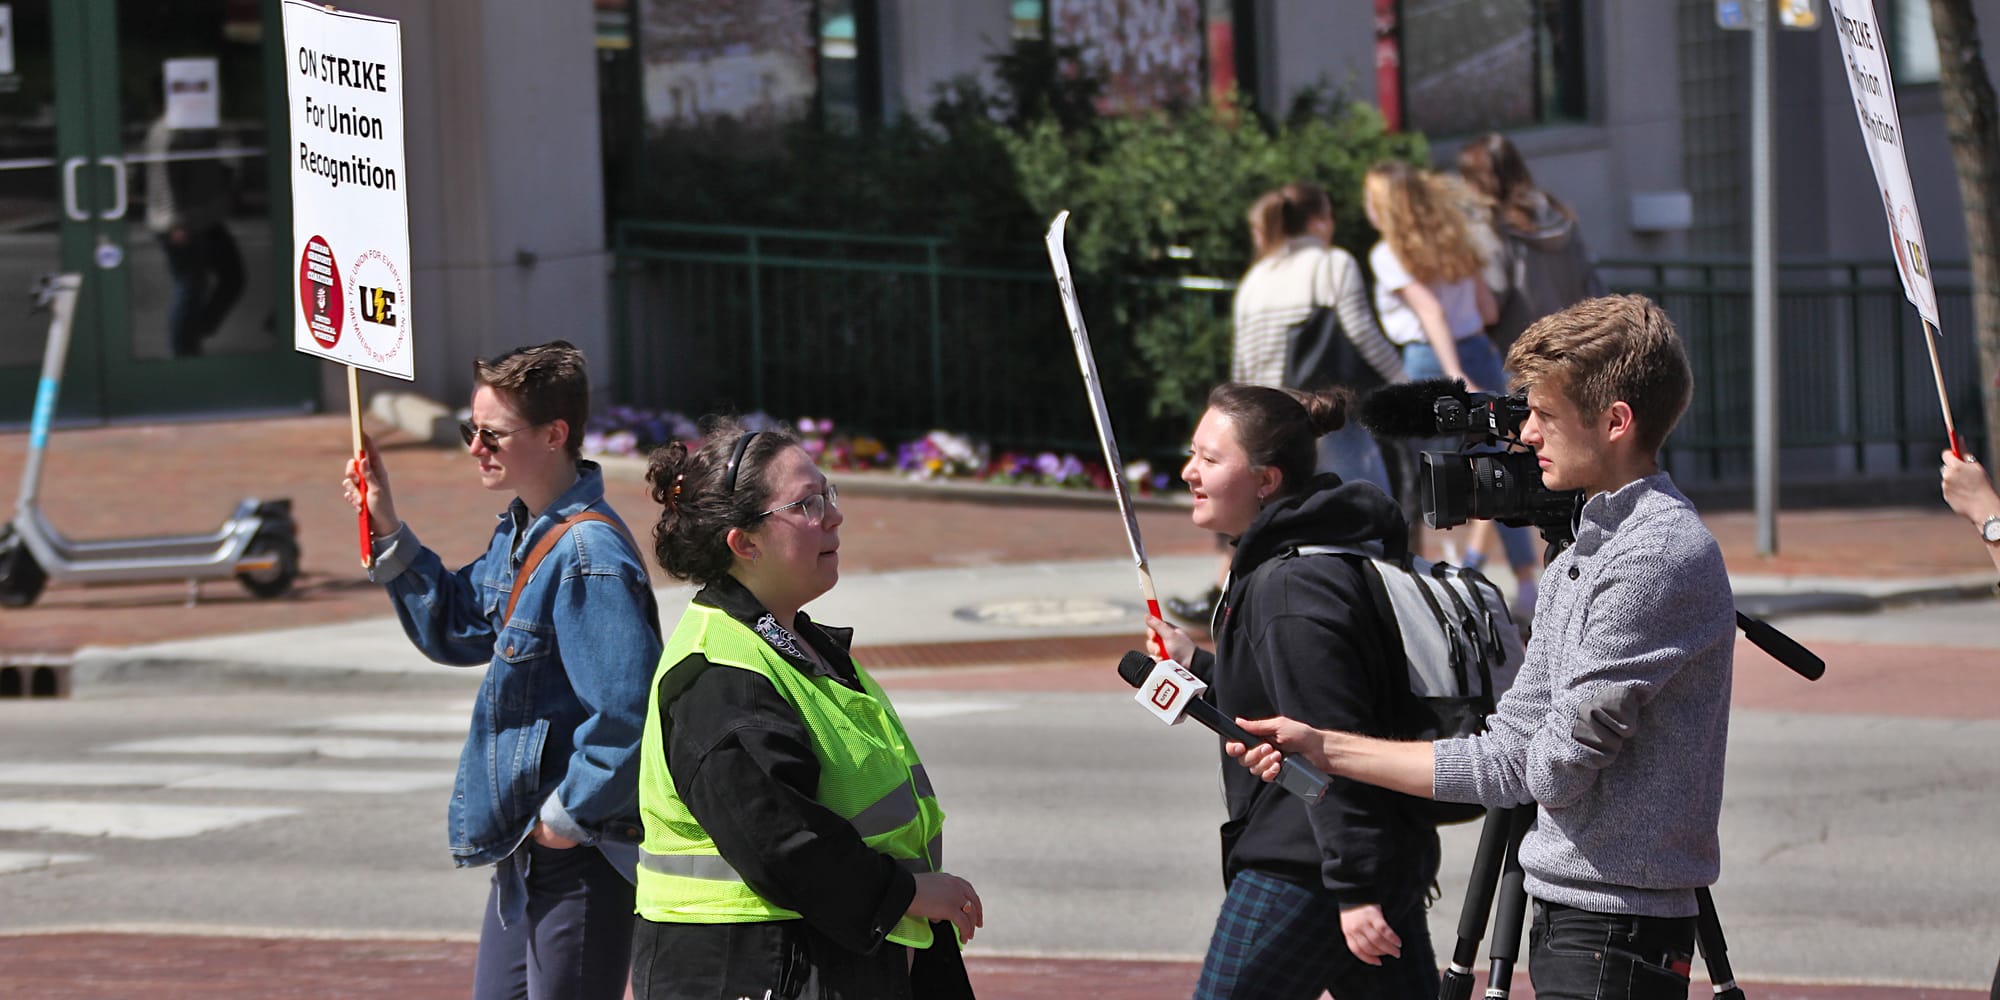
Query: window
{"points": [[1030, 18], [1151, 52], [759, 64], [1913, 52], [1475, 65]]}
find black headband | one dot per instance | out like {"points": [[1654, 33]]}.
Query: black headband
{"points": [[735, 459]]}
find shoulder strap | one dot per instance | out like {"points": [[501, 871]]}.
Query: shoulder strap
{"points": [[548, 542]]}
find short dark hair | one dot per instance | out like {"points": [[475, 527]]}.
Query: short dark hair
{"points": [[1602, 350], [544, 383], [691, 538], [1281, 428]]}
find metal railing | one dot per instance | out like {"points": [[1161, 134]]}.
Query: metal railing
{"points": [[897, 336]]}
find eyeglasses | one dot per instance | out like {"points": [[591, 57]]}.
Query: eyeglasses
{"points": [[815, 506], [467, 430]]}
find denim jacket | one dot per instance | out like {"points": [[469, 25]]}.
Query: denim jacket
{"points": [[555, 730]]}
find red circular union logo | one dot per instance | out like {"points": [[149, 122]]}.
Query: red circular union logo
{"points": [[320, 294]]}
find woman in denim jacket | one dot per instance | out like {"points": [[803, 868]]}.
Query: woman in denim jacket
{"points": [[547, 785]]}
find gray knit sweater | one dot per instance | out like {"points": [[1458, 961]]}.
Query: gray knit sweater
{"points": [[1616, 725]]}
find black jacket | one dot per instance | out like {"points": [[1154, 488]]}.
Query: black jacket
{"points": [[1300, 636], [743, 761]]}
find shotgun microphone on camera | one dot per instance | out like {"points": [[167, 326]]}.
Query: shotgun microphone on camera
{"points": [[1170, 692], [1409, 409]]}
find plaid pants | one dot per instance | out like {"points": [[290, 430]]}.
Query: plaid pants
{"points": [[1278, 941]]}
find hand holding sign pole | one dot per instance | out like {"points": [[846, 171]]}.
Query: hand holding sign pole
{"points": [[1080, 338], [1874, 92], [350, 210]]}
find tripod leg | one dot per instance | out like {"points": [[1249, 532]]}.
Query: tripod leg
{"points": [[1494, 844], [1505, 949], [1714, 951]]}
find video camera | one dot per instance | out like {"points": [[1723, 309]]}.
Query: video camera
{"points": [[1455, 486]]}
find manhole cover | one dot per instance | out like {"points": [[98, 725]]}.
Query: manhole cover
{"points": [[1049, 612]]}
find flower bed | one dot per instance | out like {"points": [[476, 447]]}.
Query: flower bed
{"points": [[938, 455]]}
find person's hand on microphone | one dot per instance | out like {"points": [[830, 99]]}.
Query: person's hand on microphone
{"points": [[1281, 736], [1369, 935]]}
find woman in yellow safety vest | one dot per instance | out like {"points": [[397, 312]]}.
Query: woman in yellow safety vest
{"points": [[793, 845]]}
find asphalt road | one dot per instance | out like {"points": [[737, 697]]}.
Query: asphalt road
{"points": [[1857, 848]]}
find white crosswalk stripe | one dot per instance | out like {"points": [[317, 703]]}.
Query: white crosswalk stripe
{"points": [[34, 861], [440, 723], [135, 820], [274, 779], [423, 743], [347, 747]]}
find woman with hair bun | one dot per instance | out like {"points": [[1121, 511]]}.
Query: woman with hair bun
{"points": [[1329, 896], [793, 844]]}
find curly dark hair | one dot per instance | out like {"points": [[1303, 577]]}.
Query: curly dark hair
{"points": [[697, 507]]}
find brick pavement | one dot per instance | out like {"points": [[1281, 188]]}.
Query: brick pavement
{"points": [[98, 966]]}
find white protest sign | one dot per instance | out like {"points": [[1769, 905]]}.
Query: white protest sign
{"points": [[350, 206], [1867, 63], [194, 93]]}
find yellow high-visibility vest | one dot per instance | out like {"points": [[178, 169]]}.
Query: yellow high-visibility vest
{"points": [[868, 773]]}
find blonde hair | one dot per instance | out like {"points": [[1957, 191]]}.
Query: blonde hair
{"points": [[1602, 350], [1420, 222]]}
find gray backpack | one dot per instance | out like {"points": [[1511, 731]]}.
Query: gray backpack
{"points": [[1460, 643]]}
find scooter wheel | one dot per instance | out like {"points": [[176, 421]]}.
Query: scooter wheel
{"points": [[21, 577], [277, 580]]}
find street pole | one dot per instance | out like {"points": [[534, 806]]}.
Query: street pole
{"points": [[1763, 284]]}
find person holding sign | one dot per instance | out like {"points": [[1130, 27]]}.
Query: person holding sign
{"points": [[1971, 495], [794, 845], [1329, 896], [560, 610]]}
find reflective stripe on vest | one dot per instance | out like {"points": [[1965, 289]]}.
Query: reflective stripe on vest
{"points": [[861, 747]]}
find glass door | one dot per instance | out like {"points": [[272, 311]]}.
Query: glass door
{"points": [[43, 171], [172, 202]]}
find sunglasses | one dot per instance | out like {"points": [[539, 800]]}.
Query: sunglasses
{"points": [[814, 506], [467, 431]]}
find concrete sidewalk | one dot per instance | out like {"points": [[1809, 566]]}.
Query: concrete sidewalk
{"points": [[1003, 613]]}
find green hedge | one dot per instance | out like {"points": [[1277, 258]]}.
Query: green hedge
{"points": [[1151, 196]]}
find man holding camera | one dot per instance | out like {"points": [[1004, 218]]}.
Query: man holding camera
{"points": [[1616, 725]]}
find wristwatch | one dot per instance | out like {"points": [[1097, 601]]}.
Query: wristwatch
{"points": [[1990, 530]]}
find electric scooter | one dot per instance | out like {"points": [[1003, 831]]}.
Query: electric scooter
{"points": [[258, 544]]}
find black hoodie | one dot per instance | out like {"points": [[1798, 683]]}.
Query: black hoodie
{"points": [[1300, 636], [1548, 269]]}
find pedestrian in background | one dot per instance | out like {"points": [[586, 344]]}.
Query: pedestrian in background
{"points": [[1329, 896], [1536, 264], [1427, 286], [1297, 279], [1544, 266], [547, 785], [187, 210], [793, 845]]}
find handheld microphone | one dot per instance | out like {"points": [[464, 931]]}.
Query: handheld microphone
{"points": [[1169, 691], [1409, 409], [1782, 647]]}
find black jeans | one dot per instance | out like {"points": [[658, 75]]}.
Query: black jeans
{"points": [[1581, 955]]}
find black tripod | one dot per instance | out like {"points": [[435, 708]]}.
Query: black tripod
{"points": [[1497, 865]]}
